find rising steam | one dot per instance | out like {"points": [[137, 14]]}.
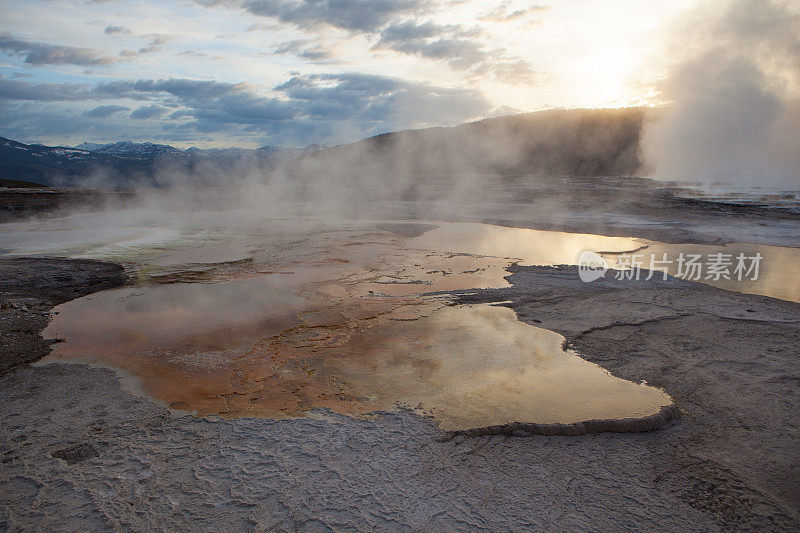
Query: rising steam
{"points": [[735, 112]]}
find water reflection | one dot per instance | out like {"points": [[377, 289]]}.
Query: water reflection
{"points": [[777, 269], [533, 247], [468, 366], [342, 317]]}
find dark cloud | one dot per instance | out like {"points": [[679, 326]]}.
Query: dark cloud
{"points": [[450, 43], [305, 109], [52, 54], [104, 111], [304, 49], [457, 45], [188, 90], [410, 30], [157, 42], [60, 123], [351, 15], [23, 90], [182, 90], [110, 30], [150, 111], [181, 113], [385, 102]]}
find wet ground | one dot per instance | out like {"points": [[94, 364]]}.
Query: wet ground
{"points": [[354, 317], [29, 288]]}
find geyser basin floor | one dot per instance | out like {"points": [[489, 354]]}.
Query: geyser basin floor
{"points": [[731, 464], [337, 317]]}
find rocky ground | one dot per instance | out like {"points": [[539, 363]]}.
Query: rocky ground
{"points": [[79, 451]]}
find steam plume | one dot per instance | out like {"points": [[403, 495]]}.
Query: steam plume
{"points": [[735, 116]]}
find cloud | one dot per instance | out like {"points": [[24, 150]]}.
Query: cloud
{"points": [[507, 70], [459, 46], [304, 109], [388, 102], [262, 27], [505, 13], [23, 90], [351, 15], [304, 49], [104, 111], [157, 42], [53, 123], [185, 89], [150, 111], [51, 54], [452, 43], [110, 30]]}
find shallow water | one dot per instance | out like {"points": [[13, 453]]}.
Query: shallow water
{"points": [[530, 247], [227, 252], [467, 366], [777, 274], [341, 316]]}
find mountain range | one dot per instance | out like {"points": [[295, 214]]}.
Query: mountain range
{"points": [[120, 163]]}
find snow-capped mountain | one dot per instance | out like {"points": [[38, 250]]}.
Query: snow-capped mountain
{"points": [[126, 162], [89, 146], [138, 150], [148, 150]]}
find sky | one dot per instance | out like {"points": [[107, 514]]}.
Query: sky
{"points": [[218, 73]]}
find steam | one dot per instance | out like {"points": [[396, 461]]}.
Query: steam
{"points": [[735, 112], [447, 172], [437, 173]]}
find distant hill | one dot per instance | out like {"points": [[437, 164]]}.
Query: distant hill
{"points": [[20, 184], [455, 164], [602, 142]]}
